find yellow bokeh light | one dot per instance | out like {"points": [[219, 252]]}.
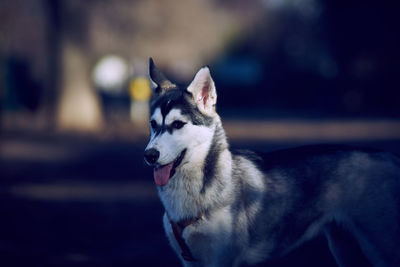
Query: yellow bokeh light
{"points": [[139, 89]]}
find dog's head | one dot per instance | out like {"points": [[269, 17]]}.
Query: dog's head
{"points": [[181, 123]]}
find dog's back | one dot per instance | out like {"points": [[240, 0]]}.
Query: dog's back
{"points": [[307, 188]]}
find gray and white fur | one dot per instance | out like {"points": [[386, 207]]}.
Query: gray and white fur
{"points": [[249, 207]]}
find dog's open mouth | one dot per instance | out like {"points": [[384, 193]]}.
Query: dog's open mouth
{"points": [[163, 173]]}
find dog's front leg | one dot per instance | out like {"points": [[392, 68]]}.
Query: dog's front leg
{"points": [[175, 245], [207, 249], [171, 238]]}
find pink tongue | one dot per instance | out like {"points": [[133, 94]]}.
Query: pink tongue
{"points": [[161, 175]]}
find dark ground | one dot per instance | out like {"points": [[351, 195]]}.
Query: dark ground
{"points": [[82, 202]]}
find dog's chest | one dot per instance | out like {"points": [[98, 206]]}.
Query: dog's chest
{"points": [[207, 238]]}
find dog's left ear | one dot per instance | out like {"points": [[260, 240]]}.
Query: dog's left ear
{"points": [[159, 84], [203, 90]]}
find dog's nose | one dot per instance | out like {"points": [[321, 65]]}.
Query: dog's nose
{"points": [[151, 156]]}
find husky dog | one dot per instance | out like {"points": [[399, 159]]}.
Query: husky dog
{"points": [[225, 208]]}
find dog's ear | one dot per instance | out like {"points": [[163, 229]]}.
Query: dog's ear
{"points": [[203, 90], [158, 82]]}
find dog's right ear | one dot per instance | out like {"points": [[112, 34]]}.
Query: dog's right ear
{"points": [[203, 91], [158, 82]]}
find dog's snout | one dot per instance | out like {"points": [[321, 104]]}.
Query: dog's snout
{"points": [[151, 155]]}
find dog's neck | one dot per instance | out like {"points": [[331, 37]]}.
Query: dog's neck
{"points": [[198, 186]]}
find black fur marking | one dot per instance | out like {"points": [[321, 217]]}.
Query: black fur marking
{"points": [[183, 100], [210, 163], [157, 90]]}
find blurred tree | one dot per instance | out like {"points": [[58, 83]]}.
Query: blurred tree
{"points": [[79, 106], [52, 10]]}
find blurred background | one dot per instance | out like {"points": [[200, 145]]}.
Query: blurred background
{"points": [[74, 190]]}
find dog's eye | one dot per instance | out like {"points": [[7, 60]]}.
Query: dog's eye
{"points": [[153, 124], [177, 124]]}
